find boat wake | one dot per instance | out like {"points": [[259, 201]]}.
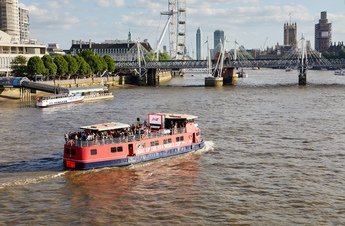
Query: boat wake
{"points": [[29, 181], [209, 146], [50, 163]]}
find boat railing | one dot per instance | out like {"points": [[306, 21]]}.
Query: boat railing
{"points": [[125, 139]]}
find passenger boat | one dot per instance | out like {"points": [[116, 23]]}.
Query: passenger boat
{"points": [[118, 144], [339, 72], [242, 74], [97, 96], [58, 99]]}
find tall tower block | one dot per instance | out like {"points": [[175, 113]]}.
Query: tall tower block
{"points": [[9, 18], [198, 44]]}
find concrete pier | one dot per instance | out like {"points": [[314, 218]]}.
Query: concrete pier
{"points": [[214, 81], [302, 77], [228, 77]]}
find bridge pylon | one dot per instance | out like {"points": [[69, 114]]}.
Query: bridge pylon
{"points": [[302, 77]]}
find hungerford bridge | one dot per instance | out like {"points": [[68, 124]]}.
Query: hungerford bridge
{"points": [[249, 63], [301, 59]]}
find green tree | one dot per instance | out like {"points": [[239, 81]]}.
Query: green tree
{"points": [[51, 68], [152, 56], [35, 67], [62, 65], [164, 57], [110, 62], [95, 63], [92, 60], [18, 66], [86, 53], [84, 68], [73, 65], [342, 54], [103, 63]]}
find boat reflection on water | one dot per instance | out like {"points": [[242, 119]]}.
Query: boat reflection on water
{"points": [[125, 194]]}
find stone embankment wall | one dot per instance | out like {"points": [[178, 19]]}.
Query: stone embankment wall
{"points": [[107, 81], [164, 76]]}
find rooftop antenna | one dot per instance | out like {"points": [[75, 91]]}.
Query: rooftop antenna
{"points": [[290, 14]]}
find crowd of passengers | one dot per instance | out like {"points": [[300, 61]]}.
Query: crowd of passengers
{"points": [[141, 129], [90, 135]]}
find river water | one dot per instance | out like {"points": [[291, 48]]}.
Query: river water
{"points": [[274, 156]]}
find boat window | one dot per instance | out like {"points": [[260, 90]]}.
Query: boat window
{"points": [[165, 141], [154, 143], [94, 152], [73, 152], [169, 140], [181, 138], [113, 149], [119, 149], [67, 151], [177, 139]]}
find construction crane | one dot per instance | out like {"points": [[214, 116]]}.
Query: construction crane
{"points": [[264, 45]]}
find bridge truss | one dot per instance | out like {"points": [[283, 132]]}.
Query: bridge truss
{"points": [[249, 63]]}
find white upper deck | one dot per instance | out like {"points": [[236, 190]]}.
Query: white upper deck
{"points": [[178, 116], [106, 126]]}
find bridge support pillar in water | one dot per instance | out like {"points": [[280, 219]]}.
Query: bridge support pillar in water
{"points": [[25, 94], [302, 77], [229, 75], [152, 77]]}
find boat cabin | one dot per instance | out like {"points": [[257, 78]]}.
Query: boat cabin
{"points": [[171, 122]]}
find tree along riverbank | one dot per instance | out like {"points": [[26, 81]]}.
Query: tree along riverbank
{"points": [[110, 82]]}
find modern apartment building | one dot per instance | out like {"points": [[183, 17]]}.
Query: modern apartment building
{"points": [[218, 37], [9, 19], [24, 24]]}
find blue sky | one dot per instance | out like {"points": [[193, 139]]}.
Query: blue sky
{"points": [[249, 22]]}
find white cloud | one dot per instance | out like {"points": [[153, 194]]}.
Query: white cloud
{"points": [[46, 18], [249, 21], [57, 4], [107, 3]]}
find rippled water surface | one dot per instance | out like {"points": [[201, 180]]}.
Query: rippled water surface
{"points": [[274, 156]]}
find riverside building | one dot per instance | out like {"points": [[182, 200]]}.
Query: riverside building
{"points": [[9, 19], [119, 50], [14, 35], [24, 24], [323, 33], [290, 35], [218, 37], [10, 50]]}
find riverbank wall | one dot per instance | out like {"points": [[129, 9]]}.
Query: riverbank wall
{"points": [[110, 82]]}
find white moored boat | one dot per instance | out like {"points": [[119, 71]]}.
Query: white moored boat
{"points": [[58, 99], [339, 72], [98, 96]]}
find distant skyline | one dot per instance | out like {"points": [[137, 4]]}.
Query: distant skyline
{"points": [[249, 22]]}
